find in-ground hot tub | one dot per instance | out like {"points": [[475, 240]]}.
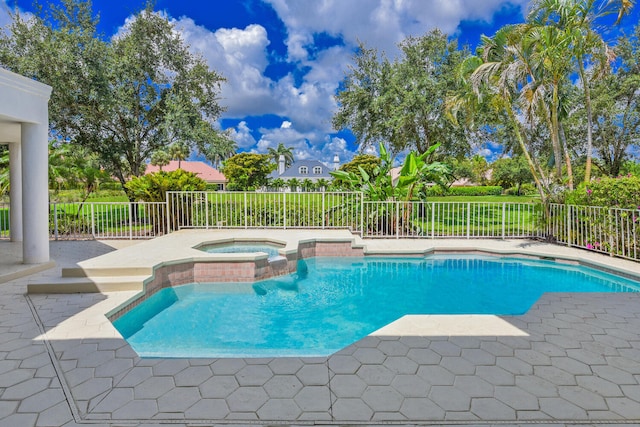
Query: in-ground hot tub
{"points": [[237, 247]]}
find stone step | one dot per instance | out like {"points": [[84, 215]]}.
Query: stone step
{"points": [[66, 285], [106, 271]]}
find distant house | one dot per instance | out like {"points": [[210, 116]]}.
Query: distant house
{"points": [[301, 170], [201, 169]]}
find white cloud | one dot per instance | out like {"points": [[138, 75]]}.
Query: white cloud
{"points": [[240, 55], [378, 23], [242, 136], [5, 16], [306, 102]]}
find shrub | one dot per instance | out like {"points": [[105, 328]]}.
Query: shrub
{"points": [[623, 192], [154, 186], [525, 190], [468, 191]]}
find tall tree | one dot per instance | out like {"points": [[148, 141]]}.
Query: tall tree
{"points": [[281, 150], [247, 171], [218, 147], [179, 151], [123, 99], [578, 19], [402, 103], [497, 75]]}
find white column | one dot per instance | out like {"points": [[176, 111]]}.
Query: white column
{"points": [[15, 193], [35, 194]]}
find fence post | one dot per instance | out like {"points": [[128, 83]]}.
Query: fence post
{"points": [[55, 220], [168, 210], [611, 231], [246, 220], [397, 219], [206, 209], [284, 210], [323, 213], [504, 218], [468, 219], [131, 220], [568, 225], [361, 214], [93, 223], [433, 220]]}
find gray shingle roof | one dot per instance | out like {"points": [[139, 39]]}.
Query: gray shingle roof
{"points": [[294, 171]]}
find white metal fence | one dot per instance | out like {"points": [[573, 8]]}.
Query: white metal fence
{"points": [[219, 209], [107, 220], [608, 230], [450, 219], [4, 220], [612, 231]]}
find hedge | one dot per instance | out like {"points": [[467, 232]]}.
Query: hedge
{"points": [[489, 190]]}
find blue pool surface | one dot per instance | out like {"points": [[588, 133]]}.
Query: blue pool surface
{"points": [[332, 302], [243, 247]]}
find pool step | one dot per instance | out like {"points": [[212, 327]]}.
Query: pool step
{"points": [[65, 285], [106, 271]]}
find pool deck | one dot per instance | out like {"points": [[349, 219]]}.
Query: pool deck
{"points": [[571, 359]]}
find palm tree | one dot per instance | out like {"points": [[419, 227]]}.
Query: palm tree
{"points": [[179, 151], [322, 184], [307, 184], [4, 172], [219, 148], [160, 158], [278, 183], [577, 18], [293, 184], [496, 75], [287, 152]]}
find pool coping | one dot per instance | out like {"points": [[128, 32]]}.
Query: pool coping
{"points": [[83, 339]]}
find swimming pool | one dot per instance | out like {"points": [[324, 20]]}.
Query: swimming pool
{"points": [[332, 302]]}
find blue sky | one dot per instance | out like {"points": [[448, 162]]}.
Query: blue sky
{"points": [[284, 59]]}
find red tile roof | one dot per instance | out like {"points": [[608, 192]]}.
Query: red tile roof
{"points": [[201, 169]]}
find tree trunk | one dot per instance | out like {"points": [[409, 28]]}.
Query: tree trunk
{"points": [[567, 157], [555, 140], [587, 100]]}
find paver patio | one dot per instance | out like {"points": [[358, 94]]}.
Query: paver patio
{"points": [[572, 358]]}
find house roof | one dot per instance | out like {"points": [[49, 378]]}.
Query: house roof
{"points": [[293, 171], [201, 169]]}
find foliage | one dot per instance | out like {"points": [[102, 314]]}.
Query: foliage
{"points": [[403, 102], [219, 148], [74, 168], [247, 171], [525, 189], [465, 191], [368, 162], [416, 170], [281, 150], [621, 192], [474, 169], [511, 172], [154, 186], [322, 184], [160, 158], [277, 184], [122, 99], [307, 185], [631, 168], [179, 151], [4, 171], [294, 184]]}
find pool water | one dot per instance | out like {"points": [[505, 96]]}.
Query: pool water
{"points": [[243, 247], [332, 302]]}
